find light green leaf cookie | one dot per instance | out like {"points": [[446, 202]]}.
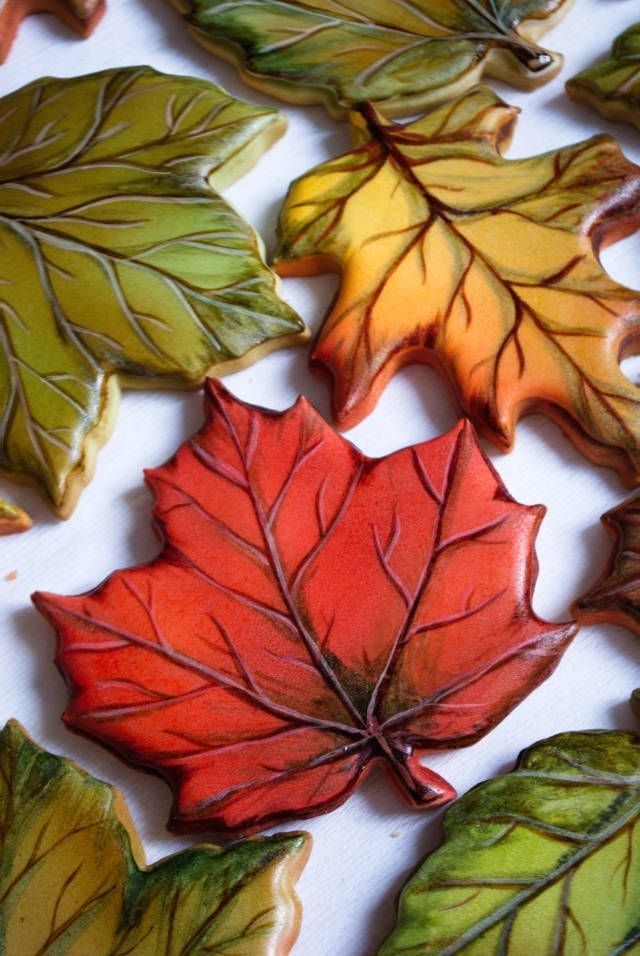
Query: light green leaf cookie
{"points": [[118, 259], [544, 861]]}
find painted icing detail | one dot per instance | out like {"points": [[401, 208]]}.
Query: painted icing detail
{"points": [[72, 879], [401, 55], [118, 258], [485, 267], [613, 87], [545, 859], [312, 612]]}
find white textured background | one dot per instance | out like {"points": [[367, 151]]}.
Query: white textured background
{"points": [[365, 850]]}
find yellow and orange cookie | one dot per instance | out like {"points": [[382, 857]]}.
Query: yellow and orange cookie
{"points": [[485, 267]]}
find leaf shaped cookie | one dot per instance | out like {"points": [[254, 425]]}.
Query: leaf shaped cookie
{"points": [[81, 15], [70, 881], [403, 56], [313, 611], [543, 860], [486, 268], [613, 87], [12, 518], [118, 258], [615, 596]]}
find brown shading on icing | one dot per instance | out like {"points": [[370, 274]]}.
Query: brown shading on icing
{"points": [[484, 267], [615, 597]]}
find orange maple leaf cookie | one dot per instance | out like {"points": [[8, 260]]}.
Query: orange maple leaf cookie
{"points": [[81, 15], [485, 267]]}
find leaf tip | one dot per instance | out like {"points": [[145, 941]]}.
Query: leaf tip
{"points": [[217, 395], [13, 733], [43, 601]]}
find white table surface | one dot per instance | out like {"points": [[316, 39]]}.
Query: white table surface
{"points": [[365, 850]]}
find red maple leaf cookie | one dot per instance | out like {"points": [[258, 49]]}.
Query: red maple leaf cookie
{"points": [[313, 611]]}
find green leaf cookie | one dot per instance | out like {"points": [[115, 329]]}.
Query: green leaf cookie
{"points": [[70, 882], [119, 259], [613, 87], [544, 861], [402, 55]]}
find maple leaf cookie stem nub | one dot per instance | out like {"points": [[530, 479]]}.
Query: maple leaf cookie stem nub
{"points": [[429, 787]]}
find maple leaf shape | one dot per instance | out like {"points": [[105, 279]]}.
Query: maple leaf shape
{"points": [[70, 881], [312, 611], [402, 55], [540, 860], [484, 267], [81, 15], [615, 596], [118, 258], [613, 87], [12, 518]]}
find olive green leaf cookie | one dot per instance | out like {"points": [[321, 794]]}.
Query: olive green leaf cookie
{"points": [[401, 55], [613, 87], [12, 518], [70, 881], [118, 259], [544, 860]]}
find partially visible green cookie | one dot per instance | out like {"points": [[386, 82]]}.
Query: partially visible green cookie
{"points": [[613, 87], [542, 861], [73, 881], [119, 261], [403, 56]]}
